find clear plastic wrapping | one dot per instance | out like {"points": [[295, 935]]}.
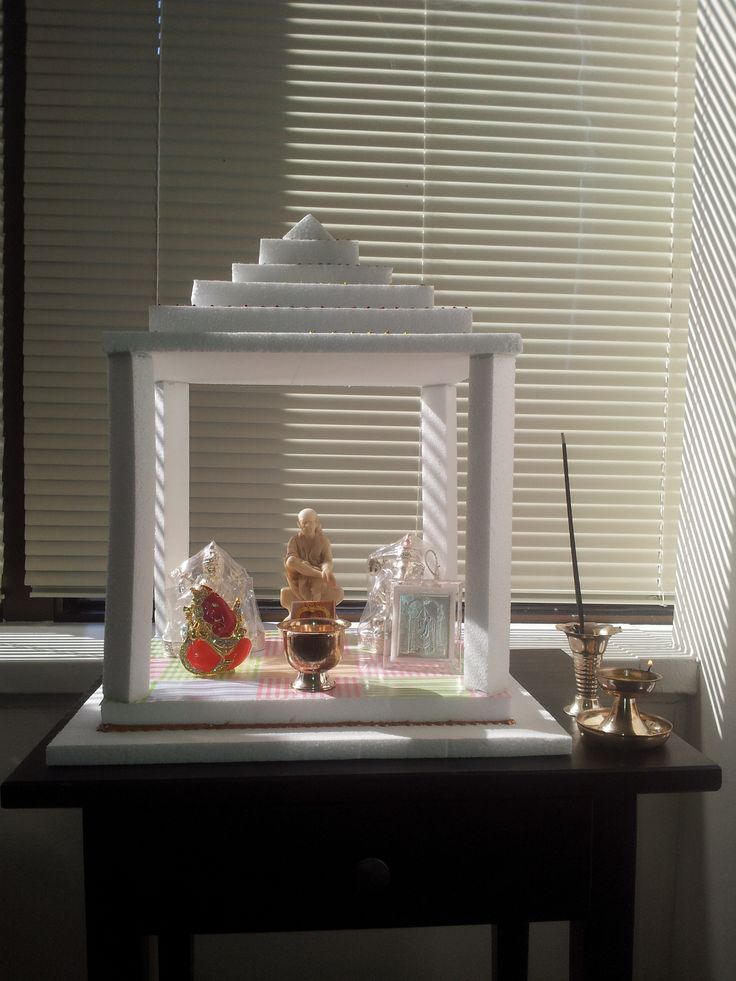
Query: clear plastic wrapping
{"points": [[215, 568], [401, 561]]}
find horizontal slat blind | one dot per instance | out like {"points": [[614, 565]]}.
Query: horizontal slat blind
{"points": [[2, 252], [353, 457], [236, 152], [558, 166], [528, 160], [531, 161], [90, 263]]}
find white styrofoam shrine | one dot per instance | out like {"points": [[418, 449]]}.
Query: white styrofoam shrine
{"points": [[306, 314]]}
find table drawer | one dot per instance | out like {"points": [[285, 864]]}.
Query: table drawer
{"points": [[330, 867]]}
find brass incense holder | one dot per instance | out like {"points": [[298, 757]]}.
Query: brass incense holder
{"points": [[588, 647], [313, 645], [623, 724]]}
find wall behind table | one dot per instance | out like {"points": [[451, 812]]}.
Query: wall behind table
{"points": [[41, 880]]}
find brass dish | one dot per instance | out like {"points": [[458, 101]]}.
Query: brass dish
{"points": [[591, 725]]}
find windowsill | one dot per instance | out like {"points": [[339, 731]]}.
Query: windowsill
{"points": [[633, 647], [60, 658], [50, 657]]}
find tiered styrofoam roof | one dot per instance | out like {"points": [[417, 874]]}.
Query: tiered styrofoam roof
{"points": [[309, 281]]}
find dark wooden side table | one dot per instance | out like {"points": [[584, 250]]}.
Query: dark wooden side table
{"points": [[172, 851]]}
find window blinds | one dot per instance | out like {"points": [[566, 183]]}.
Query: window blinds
{"points": [[91, 121], [2, 252], [530, 160]]}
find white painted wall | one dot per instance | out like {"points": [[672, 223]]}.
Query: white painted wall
{"points": [[704, 935], [42, 934]]}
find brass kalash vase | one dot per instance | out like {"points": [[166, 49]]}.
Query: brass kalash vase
{"points": [[313, 645], [588, 647]]}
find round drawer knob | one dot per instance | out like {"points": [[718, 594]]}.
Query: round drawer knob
{"points": [[372, 874]]}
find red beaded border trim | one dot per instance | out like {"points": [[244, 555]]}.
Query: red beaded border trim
{"points": [[176, 726]]}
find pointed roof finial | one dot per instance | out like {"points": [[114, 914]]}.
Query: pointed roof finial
{"points": [[309, 229]]}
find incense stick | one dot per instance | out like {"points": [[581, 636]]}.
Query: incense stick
{"points": [[571, 529]]}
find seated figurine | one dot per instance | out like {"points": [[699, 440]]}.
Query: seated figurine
{"points": [[308, 564]]}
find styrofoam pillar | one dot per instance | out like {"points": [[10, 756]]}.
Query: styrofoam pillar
{"points": [[490, 485], [129, 601], [439, 474], [172, 488]]}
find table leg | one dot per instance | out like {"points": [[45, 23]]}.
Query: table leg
{"points": [[116, 949], [602, 945], [113, 954], [510, 950], [175, 957]]}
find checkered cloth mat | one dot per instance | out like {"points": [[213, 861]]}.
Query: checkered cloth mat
{"points": [[266, 675]]}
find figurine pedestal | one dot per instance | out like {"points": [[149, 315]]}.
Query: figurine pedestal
{"points": [[82, 743]]}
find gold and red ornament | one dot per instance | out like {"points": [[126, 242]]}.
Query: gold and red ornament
{"points": [[230, 607], [216, 638]]}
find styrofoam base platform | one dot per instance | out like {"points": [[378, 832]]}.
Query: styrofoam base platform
{"points": [[534, 733]]}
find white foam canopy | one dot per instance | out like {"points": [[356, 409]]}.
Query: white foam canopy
{"points": [[307, 329]]}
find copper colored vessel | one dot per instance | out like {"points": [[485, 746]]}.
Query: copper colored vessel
{"points": [[313, 646]]}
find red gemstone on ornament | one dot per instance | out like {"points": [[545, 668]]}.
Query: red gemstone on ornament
{"points": [[239, 653], [218, 615], [202, 656]]}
